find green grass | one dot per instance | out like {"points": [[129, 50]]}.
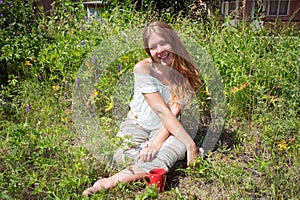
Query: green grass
{"points": [[257, 156]]}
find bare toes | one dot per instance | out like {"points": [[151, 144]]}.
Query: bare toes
{"points": [[88, 191], [98, 185]]}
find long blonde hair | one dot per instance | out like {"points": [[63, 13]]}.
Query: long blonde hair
{"points": [[185, 79]]}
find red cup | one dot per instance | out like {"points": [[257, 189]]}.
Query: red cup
{"points": [[156, 177]]}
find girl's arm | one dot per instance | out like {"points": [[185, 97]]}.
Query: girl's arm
{"points": [[163, 134], [171, 123], [147, 154]]}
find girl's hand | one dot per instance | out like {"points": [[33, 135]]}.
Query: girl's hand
{"points": [[148, 154], [192, 153]]}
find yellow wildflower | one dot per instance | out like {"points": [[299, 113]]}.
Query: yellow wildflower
{"points": [[235, 89], [207, 92], [56, 87], [28, 63], [282, 145], [67, 111], [109, 106], [94, 94]]}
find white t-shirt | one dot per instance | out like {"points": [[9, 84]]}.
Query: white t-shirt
{"points": [[145, 83]]}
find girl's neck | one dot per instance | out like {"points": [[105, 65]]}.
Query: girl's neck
{"points": [[162, 73]]}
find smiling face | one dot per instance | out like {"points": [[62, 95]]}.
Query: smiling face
{"points": [[160, 49]]}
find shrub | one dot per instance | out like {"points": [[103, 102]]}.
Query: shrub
{"points": [[20, 40]]}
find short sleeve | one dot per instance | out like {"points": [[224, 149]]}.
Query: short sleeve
{"points": [[145, 83]]}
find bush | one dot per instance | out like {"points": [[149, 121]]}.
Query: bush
{"points": [[168, 10], [19, 39], [25, 32]]}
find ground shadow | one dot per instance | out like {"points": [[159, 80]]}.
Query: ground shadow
{"points": [[227, 140]]}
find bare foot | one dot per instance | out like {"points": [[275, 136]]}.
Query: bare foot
{"points": [[100, 184]]}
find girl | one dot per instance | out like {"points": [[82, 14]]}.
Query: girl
{"points": [[163, 85]]}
